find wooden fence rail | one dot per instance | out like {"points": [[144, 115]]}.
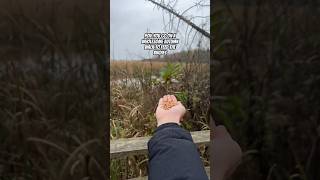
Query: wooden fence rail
{"points": [[134, 146], [121, 148]]}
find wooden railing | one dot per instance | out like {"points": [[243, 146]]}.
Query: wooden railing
{"points": [[124, 147]]}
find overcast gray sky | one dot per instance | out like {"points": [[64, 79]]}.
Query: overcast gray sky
{"points": [[130, 19]]}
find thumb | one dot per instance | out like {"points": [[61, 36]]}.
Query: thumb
{"points": [[220, 131]]}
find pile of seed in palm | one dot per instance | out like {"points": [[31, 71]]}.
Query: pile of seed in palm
{"points": [[168, 103]]}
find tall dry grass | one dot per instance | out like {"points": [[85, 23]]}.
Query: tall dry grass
{"points": [[136, 87], [129, 67], [52, 79], [266, 56]]}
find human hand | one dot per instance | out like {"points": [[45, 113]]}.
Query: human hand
{"points": [[225, 153], [174, 114]]}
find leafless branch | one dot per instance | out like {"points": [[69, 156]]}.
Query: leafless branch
{"points": [[172, 11]]}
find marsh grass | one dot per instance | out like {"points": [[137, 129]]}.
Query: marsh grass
{"points": [[265, 60], [52, 99]]}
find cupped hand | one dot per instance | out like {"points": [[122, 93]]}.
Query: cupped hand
{"points": [[225, 153], [173, 114]]}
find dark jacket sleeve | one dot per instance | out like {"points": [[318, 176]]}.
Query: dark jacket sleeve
{"points": [[173, 155]]}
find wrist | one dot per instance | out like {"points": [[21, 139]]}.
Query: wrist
{"points": [[168, 119], [160, 122], [167, 125]]}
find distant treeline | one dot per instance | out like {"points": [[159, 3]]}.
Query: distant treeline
{"points": [[199, 55]]}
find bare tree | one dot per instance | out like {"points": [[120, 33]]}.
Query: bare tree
{"points": [[181, 16]]}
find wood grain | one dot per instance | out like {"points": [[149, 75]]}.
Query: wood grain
{"points": [[133, 146]]}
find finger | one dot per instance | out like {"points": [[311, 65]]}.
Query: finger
{"points": [[181, 105], [160, 101], [174, 99], [169, 98], [165, 98], [221, 131]]}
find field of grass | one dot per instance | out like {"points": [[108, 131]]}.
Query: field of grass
{"points": [[52, 95], [136, 87], [266, 58], [119, 69]]}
